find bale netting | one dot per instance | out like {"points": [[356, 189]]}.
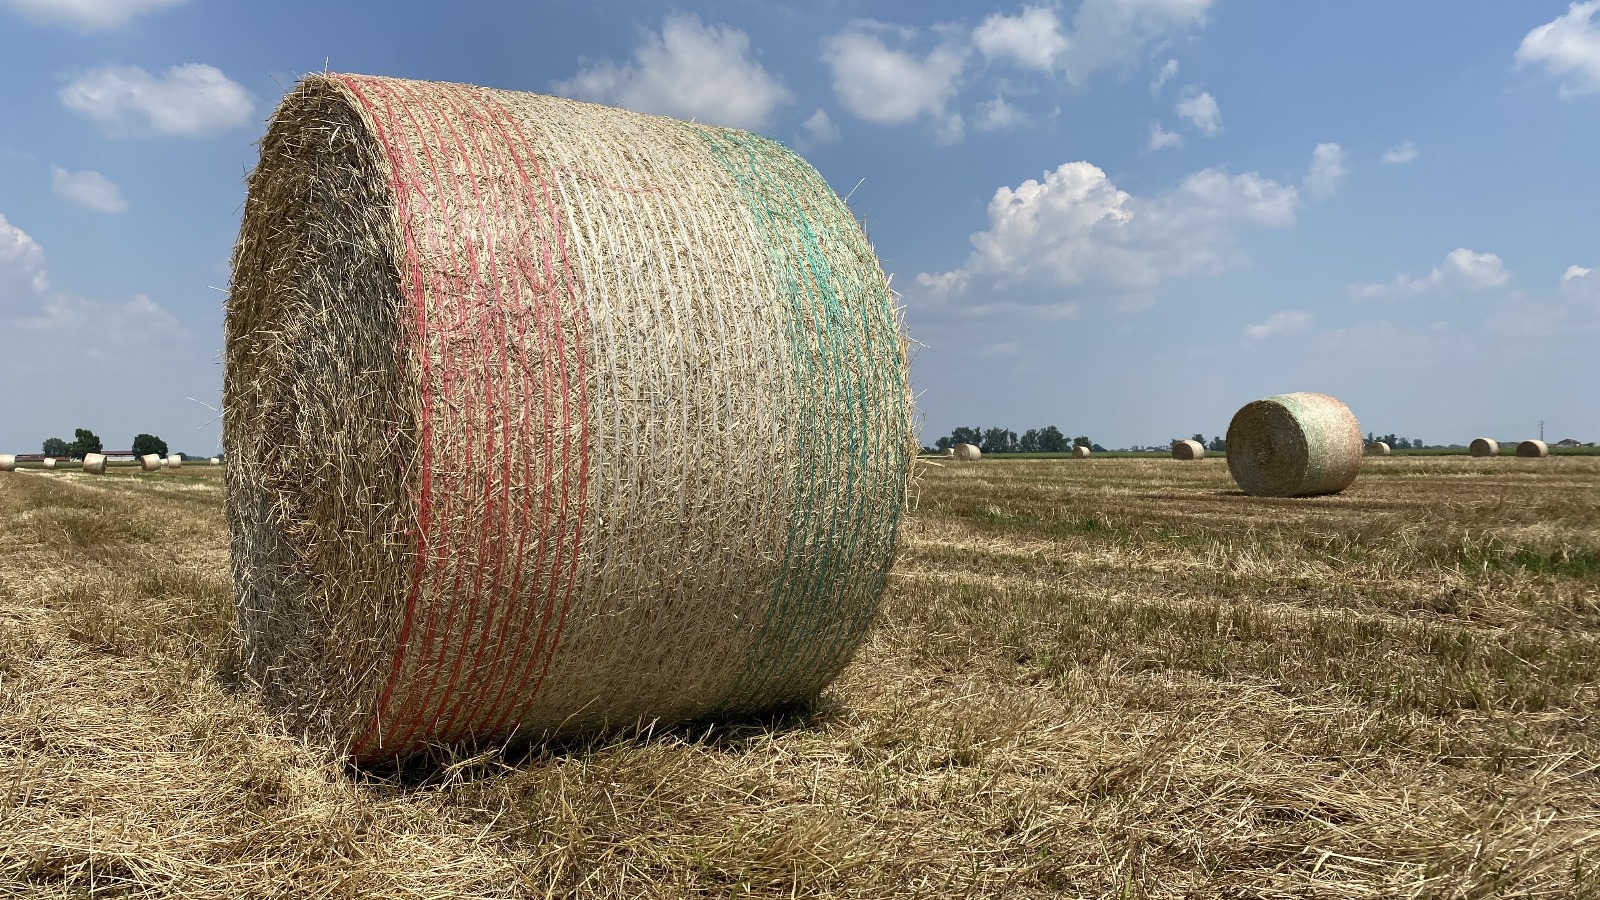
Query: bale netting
{"points": [[1188, 450], [149, 462], [1533, 449], [1080, 452], [547, 418], [94, 463], [1484, 447], [1294, 445], [49, 462], [1378, 448], [8, 462], [968, 452]]}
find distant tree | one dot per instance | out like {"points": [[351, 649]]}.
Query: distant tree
{"points": [[998, 440], [146, 444], [1081, 441], [1029, 442], [1096, 448], [57, 447], [1219, 444], [84, 442], [1199, 439], [1051, 440]]}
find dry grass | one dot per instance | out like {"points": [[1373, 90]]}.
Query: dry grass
{"points": [[1124, 680]]}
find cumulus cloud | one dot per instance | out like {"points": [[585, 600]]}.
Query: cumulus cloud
{"points": [[1399, 156], [1462, 270], [1201, 111], [1327, 171], [689, 70], [818, 129], [21, 262], [88, 15], [1160, 138], [890, 86], [998, 115], [1281, 323], [1075, 228], [189, 100], [88, 189], [1116, 34], [1167, 73], [1567, 47], [1032, 39]]}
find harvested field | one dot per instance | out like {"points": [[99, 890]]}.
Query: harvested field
{"points": [[1123, 679]]}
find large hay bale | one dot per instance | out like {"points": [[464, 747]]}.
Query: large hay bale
{"points": [[174, 461], [1533, 449], [1294, 445], [1188, 450], [1080, 452], [968, 452], [94, 463], [150, 462], [1484, 447], [8, 463], [49, 462], [548, 418], [1378, 448]]}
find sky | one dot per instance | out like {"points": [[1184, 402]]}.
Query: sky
{"points": [[1125, 218]]}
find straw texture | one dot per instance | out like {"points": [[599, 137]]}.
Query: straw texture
{"points": [[1378, 448], [1294, 445], [1080, 452], [174, 461], [94, 463], [150, 462], [968, 452], [948, 452], [1188, 450], [1484, 447], [8, 463], [1533, 449], [548, 418]]}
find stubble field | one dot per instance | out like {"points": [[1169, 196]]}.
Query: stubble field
{"points": [[1100, 678]]}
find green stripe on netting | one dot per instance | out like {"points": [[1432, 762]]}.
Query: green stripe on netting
{"points": [[818, 610]]}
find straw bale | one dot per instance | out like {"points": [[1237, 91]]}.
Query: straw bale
{"points": [[968, 452], [1378, 448], [1188, 450], [1484, 447], [174, 461], [948, 452], [8, 463], [547, 418], [94, 463], [1533, 449], [213, 461], [1080, 452], [1294, 445], [49, 462], [150, 462]]}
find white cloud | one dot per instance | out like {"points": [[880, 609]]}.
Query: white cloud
{"points": [[89, 189], [190, 100], [998, 115], [887, 86], [1167, 73], [21, 261], [1075, 228], [103, 325], [689, 70], [1201, 111], [88, 15], [1567, 47], [1281, 323], [1462, 270], [1397, 156], [818, 129], [1160, 138], [1571, 311], [1327, 171], [1031, 39], [1116, 34]]}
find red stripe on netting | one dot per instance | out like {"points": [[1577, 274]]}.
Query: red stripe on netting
{"points": [[562, 583], [422, 499]]}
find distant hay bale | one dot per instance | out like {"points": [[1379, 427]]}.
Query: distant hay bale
{"points": [[1533, 449], [1188, 450], [1378, 448], [1294, 445], [49, 462], [94, 463], [575, 419], [968, 452], [1484, 447], [1080, 452], [8, 463], [213, 461], [150, 462], [174, 461], [948, 452]]}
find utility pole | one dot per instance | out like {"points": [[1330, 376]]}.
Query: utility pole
{"points": [[1541, 429]]}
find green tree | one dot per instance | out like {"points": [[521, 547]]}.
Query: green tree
{"points": [[1219, 444], [84, 443], [145, 444], [1051, 440], [57, 447], [1081, 441], [998, 440], [1029, 442]]}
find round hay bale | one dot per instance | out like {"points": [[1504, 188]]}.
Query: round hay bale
{"points": [[1188, 450], [1080, 452], [149, 462], [94, 463], [174, 461], [1533, 449], [213, 461], [968, 452], [1294, 445], [8, 463], [1378, 448], [1484, 447], [49, 462], [577, 419], [948, 452]]}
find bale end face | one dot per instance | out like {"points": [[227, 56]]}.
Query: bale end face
{"points": [[1188, 450], [8, 463], [1533, 449], [94, 463], [1294, 445], [49, 462], [1484, 447], [1080, 452]]}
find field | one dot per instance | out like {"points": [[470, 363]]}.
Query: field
{"points": [[1100, 678]]}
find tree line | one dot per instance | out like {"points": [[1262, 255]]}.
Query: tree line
{"points": [[85, 442], [1049, 439]]}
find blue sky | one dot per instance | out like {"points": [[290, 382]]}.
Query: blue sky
{"points": [[1125, 218]]}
